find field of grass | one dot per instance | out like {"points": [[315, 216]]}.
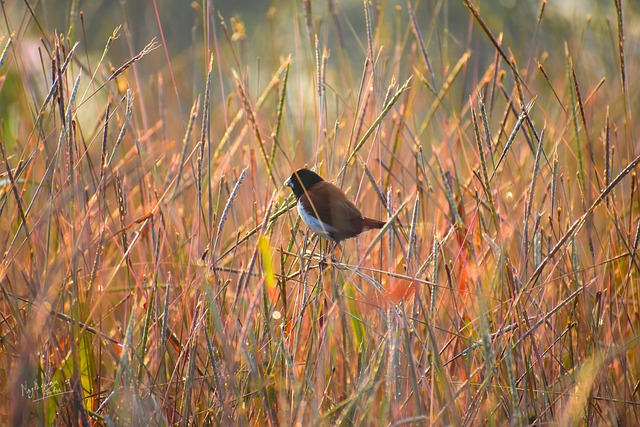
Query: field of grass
{"points": [[153, 268]]}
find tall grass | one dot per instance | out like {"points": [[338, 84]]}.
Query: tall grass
{"points": [[154, 272]]}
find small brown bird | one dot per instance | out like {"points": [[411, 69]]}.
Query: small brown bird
{"points": [[325, 208]]}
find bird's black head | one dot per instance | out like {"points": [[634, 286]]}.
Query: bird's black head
{"points": [[301, 180]]}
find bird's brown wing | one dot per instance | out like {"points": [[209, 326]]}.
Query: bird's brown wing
{"points": [[330, 205]]}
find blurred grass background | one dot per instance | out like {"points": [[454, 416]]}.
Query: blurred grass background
{"points": [[154, 273]]}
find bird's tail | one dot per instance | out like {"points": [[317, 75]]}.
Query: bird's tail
{"points": [[369, 223]]}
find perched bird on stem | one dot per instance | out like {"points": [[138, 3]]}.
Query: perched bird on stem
{"points": [[325, 209]]}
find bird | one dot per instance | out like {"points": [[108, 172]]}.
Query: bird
{"points": [[326, 210]]}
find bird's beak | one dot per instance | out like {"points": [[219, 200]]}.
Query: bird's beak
{"points": [[288, 183]]}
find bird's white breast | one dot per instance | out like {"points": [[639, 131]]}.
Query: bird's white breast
{"points": [[314, 223]]}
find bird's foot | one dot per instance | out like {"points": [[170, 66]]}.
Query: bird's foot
{"points": [[326, 261], [323, 262]]}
